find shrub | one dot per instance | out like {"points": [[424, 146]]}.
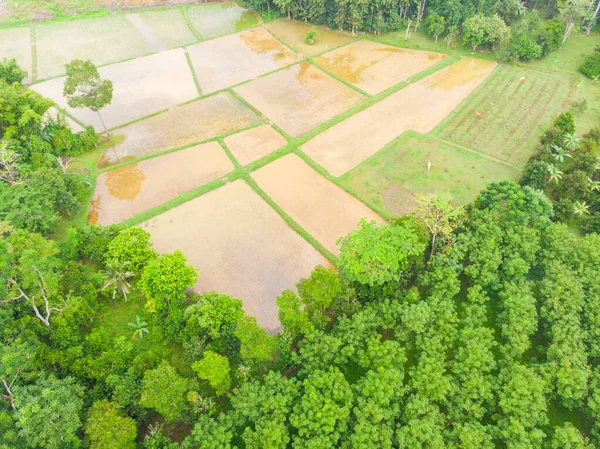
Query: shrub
{"points": [[565, 122], [591, 65], [535, 174], [11, 72], [310, 37], [523, 48], [550, 36]]}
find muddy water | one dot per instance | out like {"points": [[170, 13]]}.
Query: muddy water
{"points": [[229, 60], [220, 19], [130, 190], [325, 210], [240, 246], [299, 98], [294, 34], [254, 143], [420, 107], [183, 125], [374, 67]]}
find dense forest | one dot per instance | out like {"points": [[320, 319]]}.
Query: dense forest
{"points": [[474, 327]]}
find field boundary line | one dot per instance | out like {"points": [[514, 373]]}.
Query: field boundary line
{"points": [[184, 12], [285, 135], [183, 198], [239, 98], [230, 155], [354, 40], [179, 148], [341, 80], [290, 221], [123, 125], [32, 37], [193, 72], [284, 43], [76, 120]]}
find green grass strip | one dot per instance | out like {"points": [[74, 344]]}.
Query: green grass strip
{"points": [[341, 80], [245, 103], [178, 201], [191, 66], [283, 42], [184, 11], [356, 39], [33, 52], [285, 135], [291, 222], [123, 125], [66, 113], [230, 155]]}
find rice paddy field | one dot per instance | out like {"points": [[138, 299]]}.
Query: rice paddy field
{"points": [[254, 152]]}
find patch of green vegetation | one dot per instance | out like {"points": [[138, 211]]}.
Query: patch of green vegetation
{"points": [[570, 57], [403, 164], [505, 116]]}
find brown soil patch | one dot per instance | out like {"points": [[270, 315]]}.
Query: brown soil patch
{"points": [[240, 246], [229, 60], [127, 191], [323, 209], [299, 97], [140, 87], [399, 201], [419, 107], [294, 34], [374, 67], [254, 143], [180, 126]]}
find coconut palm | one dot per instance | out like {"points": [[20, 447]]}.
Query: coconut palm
{"points": [[554, 173], [593, 185], [140, 328], [116, 277], [559, 153], [571, 140], [580, 208]]}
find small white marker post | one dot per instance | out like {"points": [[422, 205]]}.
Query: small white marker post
{"points": [[428, 166]]}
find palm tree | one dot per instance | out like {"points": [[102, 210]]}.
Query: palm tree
{"points": [[116, 277], [571, 140], [554, 173], [140, 328], [559, 154], [580, 208], [593, 185]]}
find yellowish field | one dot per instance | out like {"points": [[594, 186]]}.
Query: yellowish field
{"points": [[240, 247], [229, 60], [294, 34], [418, 107], [191, 123], [127, 191], [323, 209], [16, 43], [103, 40], [254, 143], [374, 67], [141, 87], [299, 98]]}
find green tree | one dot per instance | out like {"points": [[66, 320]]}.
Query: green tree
{"points": [[47, 413], [117, 276], [84, 88], [436, 25], [256, 345], [132, 245], [11, 72], [215, 369], [374, 255], [108, 428], [140, 328], [568, 437], [164, 390]]}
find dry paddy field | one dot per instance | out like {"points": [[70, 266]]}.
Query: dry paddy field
{"points": [[127, 191], [184, 125], [299, 98], [103, 40], [229, 60], [419, 107], [323, 209], [294, 33], [374, 67], [240, 247], [219, 19], [166, 28], [141, 87], [254, 143], [16, 43]]}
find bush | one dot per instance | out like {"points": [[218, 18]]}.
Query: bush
{"points": [[91, 242], [591, 65], [550, 36], [565, 123], [11, 72], [535, 174], [310, 37], [523, 48]]}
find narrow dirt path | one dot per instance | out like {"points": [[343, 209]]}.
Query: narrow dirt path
{"points": [[139, 24]]}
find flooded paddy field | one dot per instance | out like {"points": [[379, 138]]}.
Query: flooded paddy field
{"points": [[16, 43], [127, 191], [240, 246], [103, 41], [229, 60], [404, 167], [218, 19], [418, 107], [254, 143], [166, 27], [294, 34], [193, 122], [374, 67], [325, 210], [141, 87], [299, 98]]}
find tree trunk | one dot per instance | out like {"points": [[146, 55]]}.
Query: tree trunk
{"points": [[436, 37], [432, 245], [408, 30], [593, 20], [104, 125], [9, 394], [567, 32]]}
